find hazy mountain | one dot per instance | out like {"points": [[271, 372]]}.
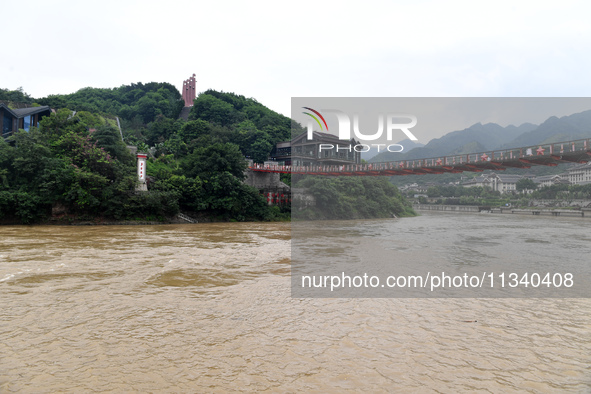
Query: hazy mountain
{"points": [[476, 138], [407, 144], [571, 127]]}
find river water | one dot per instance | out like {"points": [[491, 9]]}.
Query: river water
{"points": [[208, 308]]}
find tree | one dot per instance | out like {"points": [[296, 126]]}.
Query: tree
{"points": [[31, 175], [127, 101], [108, 138], [217, 158], [194, 129], [351, 198], [433, 191], [162, 129], [525, 184], [214, 110], [15, 96], [253, 143]]}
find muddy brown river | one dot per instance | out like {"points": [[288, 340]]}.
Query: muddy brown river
{"points": [[208, 308]]}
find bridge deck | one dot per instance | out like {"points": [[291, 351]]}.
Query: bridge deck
{"points": [[578, 151]]}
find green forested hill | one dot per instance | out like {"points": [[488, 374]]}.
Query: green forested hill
{"points": [[77, 161], [142, 101], [77, 165]]}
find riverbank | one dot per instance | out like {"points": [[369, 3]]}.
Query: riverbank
{"points": [[86, 220], [575, 212], [73, 220]]}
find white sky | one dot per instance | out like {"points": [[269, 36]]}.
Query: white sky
{"points": [[272, 50]]}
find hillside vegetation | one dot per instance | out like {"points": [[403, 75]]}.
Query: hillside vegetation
{"points": [[78, 163], [349, 198], [76, 166]]}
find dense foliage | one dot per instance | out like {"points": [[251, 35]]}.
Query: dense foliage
{"points": [[254, 127], [67, 164], [526, 192], [77, 162], [349, 198], [149, 115], [15, 96], [459, 195], [461, 191], [202, 160], [138, 101], [525, 184], [566, 192], [209, 180]]}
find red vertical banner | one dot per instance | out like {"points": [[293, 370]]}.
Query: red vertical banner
{"points": [[141, 166]]}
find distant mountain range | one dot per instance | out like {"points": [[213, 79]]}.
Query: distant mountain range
{"points": [[486, 137], [407, 144], [572, 127]]}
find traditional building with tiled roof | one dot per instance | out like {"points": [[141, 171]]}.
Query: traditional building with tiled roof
{"points": [[302, 151], [550, 180], [504, 183]]}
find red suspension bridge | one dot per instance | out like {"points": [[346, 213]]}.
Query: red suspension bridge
{"points": [[578, 151]]}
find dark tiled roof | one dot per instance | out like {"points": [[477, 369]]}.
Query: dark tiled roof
{"points": [[509, 177], [553, 178], [478, 179], [580, 167], [543, 178], [22, 112]]}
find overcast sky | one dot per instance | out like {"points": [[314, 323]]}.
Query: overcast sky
{"points": [[272, 50]]}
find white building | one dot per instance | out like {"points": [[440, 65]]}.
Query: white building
{"points": [[504, 183], [550, 180], [580, 175], [479, 181]]}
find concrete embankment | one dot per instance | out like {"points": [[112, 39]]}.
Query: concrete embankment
{"points": [[447, 208], [584, 212]]}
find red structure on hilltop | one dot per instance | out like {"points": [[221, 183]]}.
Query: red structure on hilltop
{"points": [[189, 91]]}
